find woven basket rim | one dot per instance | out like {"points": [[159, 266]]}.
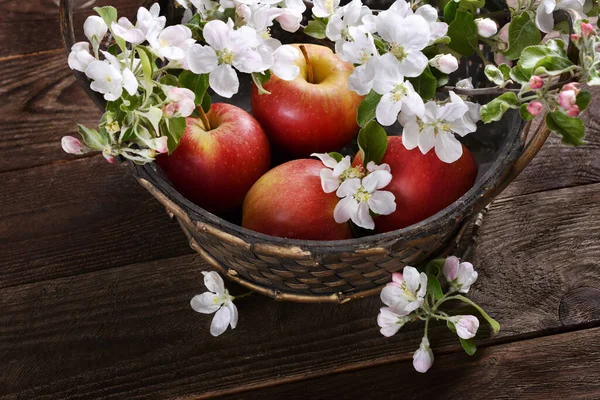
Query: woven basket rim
{"points": [[456, 212]]}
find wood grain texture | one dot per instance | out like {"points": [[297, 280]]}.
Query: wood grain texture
{"points": [[56, 221], [35, 23], [561, 366], [129, 331]]}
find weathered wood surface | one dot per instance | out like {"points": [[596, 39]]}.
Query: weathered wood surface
{"points": [[561, 366], [95, 281], [129, 331]]}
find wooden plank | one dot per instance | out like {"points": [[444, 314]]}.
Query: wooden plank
{"points": [[56, 221], [129, 332], [559, 366], [34, 23]]}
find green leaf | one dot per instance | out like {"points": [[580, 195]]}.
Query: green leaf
{"points": [[94, 139], [316, 29], [505, 69], [571, 129], [493, 323], [433, 287], [425, 84], [260, 79], [450, 11], [176, 129], [463, 33], [549, 58], [372, 143], [153, 115], [470, 5], [107, 13], [517, 75], [526, 115], [435, 267], [451, 326], [468, 345], [146, 68], [495, 109], [206, 101], [170, 80], [494, 74], [367, 107], [583, 100], [196, 83], [382, 48], [522, 32], [336, 156]]}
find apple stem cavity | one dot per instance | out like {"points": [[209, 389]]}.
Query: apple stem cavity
{"points": [[204, 119], [309, 70]]}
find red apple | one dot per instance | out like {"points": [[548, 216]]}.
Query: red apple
{"points": [[302, 117], [422, 183], [288, 201], [215, 168]]}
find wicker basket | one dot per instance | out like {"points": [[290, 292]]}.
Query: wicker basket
{"points": [[337, 271]]}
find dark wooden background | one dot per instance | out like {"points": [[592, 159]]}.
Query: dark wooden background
{"points": [[95, 281]]}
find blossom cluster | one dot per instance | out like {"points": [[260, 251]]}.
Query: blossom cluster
{"points": [[414, 295], [147, 105], [359, 190]]}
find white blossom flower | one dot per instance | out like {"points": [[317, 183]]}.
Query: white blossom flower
{"points": [[407, 37], [260, 18], [181, 102], [360, 196], [406, 292], [459, 275], [398, 94], [543, 16], [324, 8], [423, 357], [291, 17], [73, 145], [445, 63], [94, 29], [227, 48], [337, 172], [80, 57], [362, 51], [204, 7], [109, 78], [344, 17], [466, 325], [218, 300], [284, 62], [436, 128], [171, 42], [127, 31], [149, 23], [437, 29], [390, 322], [486, 27]]}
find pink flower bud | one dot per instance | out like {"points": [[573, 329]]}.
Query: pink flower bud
{"points": [[535, 108], [587, 29], [170, 109], [446, 63], [423, 357], [466, 326], [567, 99], [108, 156], [536, 82], [486, 27], [575, 37], [573, 111], [574, 86], [161, 144], [73, 145]]}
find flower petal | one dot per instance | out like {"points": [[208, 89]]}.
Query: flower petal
{"points": [[448, 148], [363, 217], [377, 179], [387, 110], [216, 34], [201, 59], [205, 303], [426, 139], [329, 182], [130, 83], [450, 269], [325, 159], [414, 64], [214, 282], [411, 278], [220, 321], [382, 202], [284, 63], [234, 314], [345, 209], [224, 81], [348, 187]]}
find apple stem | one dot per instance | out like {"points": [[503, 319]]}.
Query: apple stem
{"points": [[204, 119], [308, 64]]}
